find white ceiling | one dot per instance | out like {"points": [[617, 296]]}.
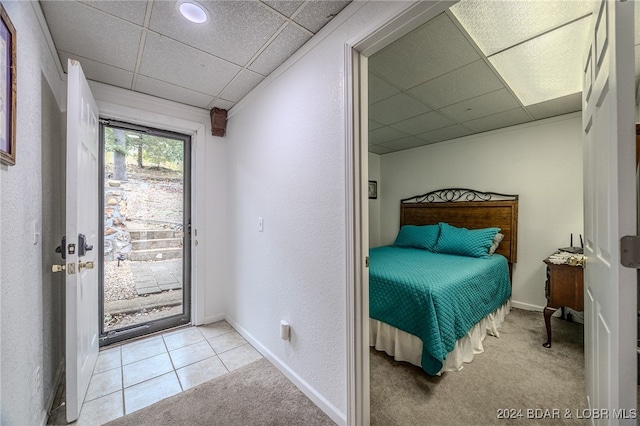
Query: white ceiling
{"points": [[436, 83], [148, 47], [432, 85]]}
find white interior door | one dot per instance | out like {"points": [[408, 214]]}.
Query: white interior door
{"points": [[610, 212], [82, 218]]}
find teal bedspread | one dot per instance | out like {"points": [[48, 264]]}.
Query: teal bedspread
{"points": [[436, 297]]}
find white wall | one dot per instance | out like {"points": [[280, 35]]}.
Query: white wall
{"points": [[540, 161], [27, 302], [374, 204], [31, 311], [287, 164]]}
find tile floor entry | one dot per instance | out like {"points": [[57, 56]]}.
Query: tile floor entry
{"points": [[134, 375]]}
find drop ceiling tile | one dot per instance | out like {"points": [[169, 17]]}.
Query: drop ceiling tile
{"points": [[285, 7], [396, 108], [97, 71], [188, 67], [379, 149], [242, 85], [91, 35], [546, 67], [380, 89], [434, 49], [559, 106], [481, 106], [497, 121], [405, 143], [466, 82], [385, 134], [373, 125], [316, 14], [174, 93], [221, 103], [423, 123], [495, 25], [446, 133], [284, 45], [227, 35], [132, 11]]}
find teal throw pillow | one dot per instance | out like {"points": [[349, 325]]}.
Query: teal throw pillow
{"points": [[422, 237], [465, 242]]}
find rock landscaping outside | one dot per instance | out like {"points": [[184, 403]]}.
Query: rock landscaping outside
{"points": [[143, 246]]}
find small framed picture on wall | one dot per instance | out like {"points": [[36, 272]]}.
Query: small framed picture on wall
{"points": [[373, 189]]}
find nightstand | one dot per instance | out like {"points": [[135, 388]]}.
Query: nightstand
{"points": [[564, 288]]}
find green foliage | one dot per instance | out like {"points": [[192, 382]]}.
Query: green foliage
{"points": [[161, 150], [155, 150]]}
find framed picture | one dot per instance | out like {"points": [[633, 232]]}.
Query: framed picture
{"points": [[373, 189], [7, 89]]}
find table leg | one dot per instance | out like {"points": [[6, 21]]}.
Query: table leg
{"points": [[548, 311]]}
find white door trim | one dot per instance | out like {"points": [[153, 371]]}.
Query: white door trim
{"points": [[197, 131], [398, 20]]}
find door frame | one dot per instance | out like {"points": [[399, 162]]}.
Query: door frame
{"points": [[144, 328], [148, 111], [400, 19]]}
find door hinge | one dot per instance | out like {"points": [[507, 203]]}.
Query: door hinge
{"points": [[366, 262], [630, 251]]}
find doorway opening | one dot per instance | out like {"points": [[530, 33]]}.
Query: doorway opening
{"points": [[145, 281]]}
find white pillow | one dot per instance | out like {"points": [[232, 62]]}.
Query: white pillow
{"points": [[496, 242]]}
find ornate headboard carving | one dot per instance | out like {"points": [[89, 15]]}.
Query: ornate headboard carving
{"points": [[467, 208]]}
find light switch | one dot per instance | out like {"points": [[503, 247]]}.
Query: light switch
{"points": [[260, 224]]}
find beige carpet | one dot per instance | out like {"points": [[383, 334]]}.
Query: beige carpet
{"points": [[257, 394], [515, 372]]}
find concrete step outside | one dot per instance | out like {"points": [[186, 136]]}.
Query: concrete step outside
{"points": [[156, 254], [156, 243], [152, 234]]}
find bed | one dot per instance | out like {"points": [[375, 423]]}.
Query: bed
{"points": [[433, 299]]}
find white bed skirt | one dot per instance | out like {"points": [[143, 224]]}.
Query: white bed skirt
{"points": [[403, 346]]}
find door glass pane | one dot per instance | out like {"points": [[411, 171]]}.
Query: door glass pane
{"points": [[144, 225]]}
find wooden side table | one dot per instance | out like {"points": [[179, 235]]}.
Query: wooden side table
{"points": [[564, 287]]}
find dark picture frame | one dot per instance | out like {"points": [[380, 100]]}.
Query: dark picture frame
{"points": [[8, 90], [373, 189]]}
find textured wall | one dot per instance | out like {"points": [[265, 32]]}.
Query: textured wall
{"points": [[286, 163], [24, 300], [541, 162]]}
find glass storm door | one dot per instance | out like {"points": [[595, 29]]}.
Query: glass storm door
{"points": [[145, 279]]}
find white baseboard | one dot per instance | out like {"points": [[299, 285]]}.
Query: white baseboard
{"points": [[526, 306], [575, 315], [213, 318], [322, 403]]}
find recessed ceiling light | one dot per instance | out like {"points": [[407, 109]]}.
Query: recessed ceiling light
{"points": [[193, 12]]}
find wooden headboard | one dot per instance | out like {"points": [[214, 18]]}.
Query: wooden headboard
{"points": [[467, 208]]}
